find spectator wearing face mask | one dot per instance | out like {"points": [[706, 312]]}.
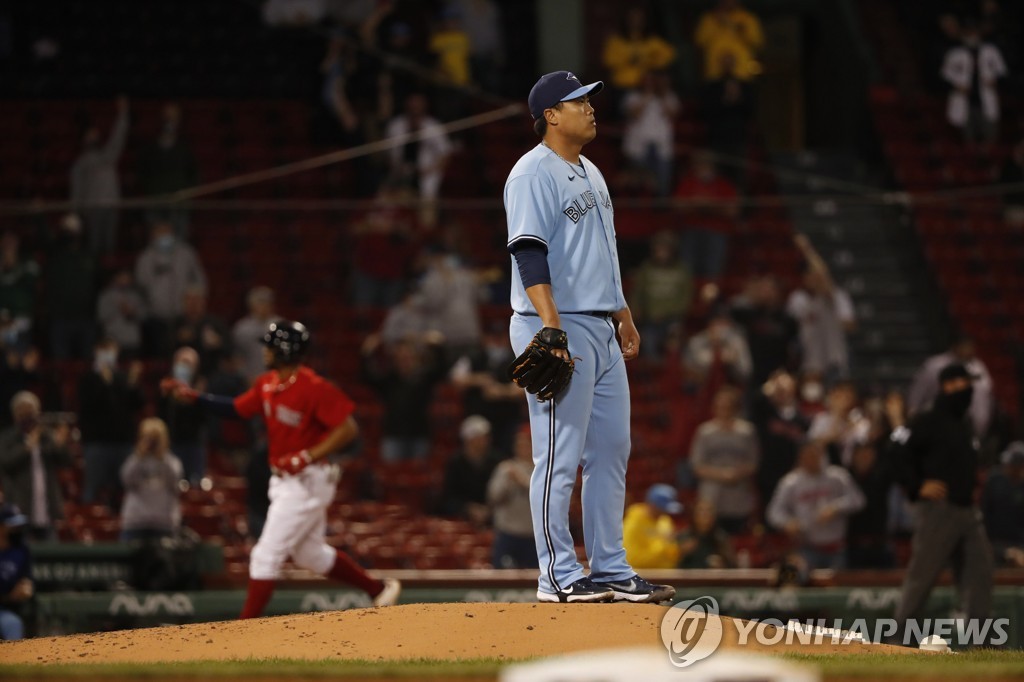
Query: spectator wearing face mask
{"points": [[108, 401], [121, 309], [165, 271], [186, 422]]}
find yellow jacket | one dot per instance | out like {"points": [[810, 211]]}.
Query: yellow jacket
{"points": [[738, 32], [629, 60], [649, 538], [452, 49]]}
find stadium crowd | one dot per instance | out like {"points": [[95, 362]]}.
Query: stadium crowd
{"points": [[779, 444]]}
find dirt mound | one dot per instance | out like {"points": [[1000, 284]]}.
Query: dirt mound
{"points": [[429, 631]]}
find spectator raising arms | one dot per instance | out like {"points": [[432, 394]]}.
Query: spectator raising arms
{"points": [[635, 50], [150, 475], [95, 183], [825, 314], [728, 28]]}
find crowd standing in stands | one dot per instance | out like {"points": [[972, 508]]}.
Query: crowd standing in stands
{"points": [[780, 439]]}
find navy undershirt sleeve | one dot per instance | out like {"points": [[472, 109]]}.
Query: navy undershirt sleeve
{"points": [[532, 258], [220, 405]]}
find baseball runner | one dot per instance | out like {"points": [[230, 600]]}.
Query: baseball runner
{"points": [[568, 305], [307, 419]]}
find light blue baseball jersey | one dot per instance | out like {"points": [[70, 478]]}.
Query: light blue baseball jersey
{"points": [[548, 200], [570, 211]]}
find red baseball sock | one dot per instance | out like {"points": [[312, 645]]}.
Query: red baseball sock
{"points": [[346, 570], [256, 598]]}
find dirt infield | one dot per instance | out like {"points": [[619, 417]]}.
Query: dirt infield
{"points": [[418, 631]]}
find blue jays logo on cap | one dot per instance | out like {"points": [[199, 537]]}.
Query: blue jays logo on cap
{"points": [[558, 86]]}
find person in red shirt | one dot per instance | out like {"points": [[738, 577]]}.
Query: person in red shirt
{"points": [[709, 214], [307, 419]]}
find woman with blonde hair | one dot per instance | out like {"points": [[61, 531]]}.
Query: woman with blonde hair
{"points": [[151, 477]]}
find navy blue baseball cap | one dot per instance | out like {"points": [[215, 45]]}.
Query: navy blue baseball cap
{"points": [[11, 517], [559, 86]]}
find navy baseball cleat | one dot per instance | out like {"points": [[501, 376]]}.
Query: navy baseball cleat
{"points": [[638, 590], [583, 590]]}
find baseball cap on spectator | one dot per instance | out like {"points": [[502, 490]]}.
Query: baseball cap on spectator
{"points": [[474, 427], [11, 516], [1013, 454], [558, 86], [664, 498]]}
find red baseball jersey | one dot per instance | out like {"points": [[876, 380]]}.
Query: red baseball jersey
{"points": [[298, 412]]}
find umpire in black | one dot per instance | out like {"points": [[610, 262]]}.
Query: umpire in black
{"points": [[937, 457]]}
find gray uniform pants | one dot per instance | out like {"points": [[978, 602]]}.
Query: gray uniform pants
{"points": [[948, 534]]}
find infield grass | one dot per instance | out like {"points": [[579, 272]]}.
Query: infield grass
{"points": [[978, 664]]}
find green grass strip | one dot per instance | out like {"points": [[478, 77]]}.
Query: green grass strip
{"points": [[977, 663]]}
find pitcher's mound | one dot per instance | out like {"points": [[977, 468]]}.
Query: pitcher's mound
{"points": [[427, 631]]}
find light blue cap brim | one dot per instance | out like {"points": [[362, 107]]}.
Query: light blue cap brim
{"points": [[591, 89]]}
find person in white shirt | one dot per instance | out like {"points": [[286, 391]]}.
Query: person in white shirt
{"points": [[925, 385], [812, 504], [420, 162], [648, 140], [247, 334], [972, 69], [825, 314]]}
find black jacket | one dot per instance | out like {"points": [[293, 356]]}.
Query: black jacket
{"points": [[937, 445], [106, 412]]}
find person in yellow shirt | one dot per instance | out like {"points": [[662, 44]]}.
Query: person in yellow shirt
{"points": [[450, 44], [631, 54], [648, 531], [730, 29]]}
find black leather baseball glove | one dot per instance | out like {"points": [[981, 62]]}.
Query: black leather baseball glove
{"points": [[540, 371]]}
